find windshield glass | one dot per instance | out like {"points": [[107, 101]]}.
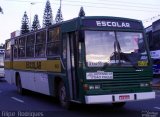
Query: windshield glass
{"points": [[115, 48]]}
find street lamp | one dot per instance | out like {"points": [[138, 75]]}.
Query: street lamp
{"points": [[60, 4], [32, 3]]}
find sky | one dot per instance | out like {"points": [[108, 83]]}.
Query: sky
{"points": [[13, 11]]}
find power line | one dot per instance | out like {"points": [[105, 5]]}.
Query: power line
{"points": [[133, 3], [111, 6], [22, 1], [151, 18], [19, 1], [112, 3], [144, 5]]}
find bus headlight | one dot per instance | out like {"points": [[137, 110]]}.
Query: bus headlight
{"points": [[144, 84], [97, 86], [92, 87]]}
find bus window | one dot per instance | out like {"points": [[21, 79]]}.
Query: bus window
{"points": [[21, 48], [54, 35], [8, 49], [53, 45], [99, 47], [30, 46], [30, 51], [30, 39], [53, 49], [40, 50], [21, 52], [15, 49], [41, 37], [131, 42]]}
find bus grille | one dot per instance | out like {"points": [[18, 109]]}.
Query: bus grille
{"points": [[125, 82]]}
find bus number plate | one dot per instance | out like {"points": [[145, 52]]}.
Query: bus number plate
{"points": [[142, 63]]}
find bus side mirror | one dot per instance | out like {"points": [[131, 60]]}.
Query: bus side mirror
{"points": [[81, 36]]}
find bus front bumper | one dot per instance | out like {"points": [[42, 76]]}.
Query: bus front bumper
{"points": [[97, 99]]}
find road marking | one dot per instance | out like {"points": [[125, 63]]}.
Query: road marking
{"points": [[19, 100], [157, 108]]}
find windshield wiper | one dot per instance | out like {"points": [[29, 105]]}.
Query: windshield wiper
{"points": [[131, 57], [118, 55], [115, 55]]}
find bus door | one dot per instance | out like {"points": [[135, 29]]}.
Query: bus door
{"points": [[9, 73], [72, 64]]}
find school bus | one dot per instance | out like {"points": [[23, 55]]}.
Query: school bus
{"points": [[90, 60]]}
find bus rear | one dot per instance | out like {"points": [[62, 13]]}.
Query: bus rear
{"points": [[114, 62]]}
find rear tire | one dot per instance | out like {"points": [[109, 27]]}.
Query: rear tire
{"points": [[63, 96]]}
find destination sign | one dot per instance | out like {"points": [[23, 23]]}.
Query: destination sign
{"points": [[111, 23], [99, 75]]}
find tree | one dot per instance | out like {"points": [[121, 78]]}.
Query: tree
{"points": [[2, 46], [25, 24], [36, 25], [81, 12], [47, 17], [1, 10], [59, 17]]}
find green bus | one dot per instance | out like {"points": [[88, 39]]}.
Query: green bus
{"points": [[90, 60]]}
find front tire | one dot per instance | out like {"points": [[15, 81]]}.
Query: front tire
{"points": [[63, 96]]}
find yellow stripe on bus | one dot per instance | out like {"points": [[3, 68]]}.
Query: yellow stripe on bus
{"points": [[8, 64], [43, 65]]}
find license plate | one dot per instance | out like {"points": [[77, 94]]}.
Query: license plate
{"points": [[124, 97]]}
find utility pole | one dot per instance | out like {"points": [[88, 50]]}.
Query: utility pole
{"points": [[60, 4], [32, 3]]}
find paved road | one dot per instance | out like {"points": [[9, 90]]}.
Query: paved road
{"points": [[36, 105]]}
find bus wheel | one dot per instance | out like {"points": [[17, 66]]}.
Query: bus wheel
{"points": [[62, 96], [119, 104], [19, 86]]}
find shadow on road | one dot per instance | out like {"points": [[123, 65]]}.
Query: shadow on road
{"points": [[103, 110], [40, 97], [2, 80]]}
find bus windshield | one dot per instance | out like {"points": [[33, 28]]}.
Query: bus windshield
{"points": [[115, 48]]}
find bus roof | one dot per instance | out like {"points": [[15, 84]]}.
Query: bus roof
{"points": [[148, 29], [101, 22], [156, 25], [87, 21]]}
